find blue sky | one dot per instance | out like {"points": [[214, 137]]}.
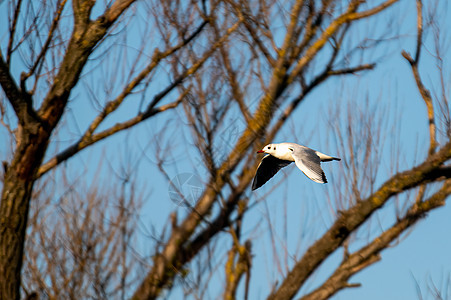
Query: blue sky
{"points": [[298, 211]]}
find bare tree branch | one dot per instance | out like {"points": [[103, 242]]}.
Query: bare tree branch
{"points": [[239, 259], [243, 10], [24, 76], [86, 142], [425, 94], [369, 254], [349, 15], [91, 32], [20, 100], [12, 31]]}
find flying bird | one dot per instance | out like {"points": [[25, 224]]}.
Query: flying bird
{"points": [[281, 155]]}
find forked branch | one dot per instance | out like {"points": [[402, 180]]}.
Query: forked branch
{"points": [[425, 94], [20, 100], [24, 76]]}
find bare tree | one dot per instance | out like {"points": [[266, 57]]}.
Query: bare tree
{"points": [[53, 64], [252, 62], [79, 245]]}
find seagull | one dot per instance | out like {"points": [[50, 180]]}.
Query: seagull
{"points": [[281, 155]]}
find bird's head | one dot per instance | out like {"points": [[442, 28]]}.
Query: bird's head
{"points": [[270, 149]]}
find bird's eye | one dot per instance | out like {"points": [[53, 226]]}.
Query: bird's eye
{"points": [[269, 148], [291, 149], [274, 148]]}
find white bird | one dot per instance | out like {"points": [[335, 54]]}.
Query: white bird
{"points": [[281, 155]]}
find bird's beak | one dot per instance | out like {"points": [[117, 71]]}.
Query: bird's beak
{"points": [[260, 151]]}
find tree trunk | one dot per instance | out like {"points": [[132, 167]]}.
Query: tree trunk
{"points": [[15, 202]]}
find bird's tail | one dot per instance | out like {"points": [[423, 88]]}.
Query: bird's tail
{"points": [[331, 159], [325, 157]]}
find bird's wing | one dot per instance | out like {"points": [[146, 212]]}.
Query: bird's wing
{"points": [[309, 163], [267, 168]]}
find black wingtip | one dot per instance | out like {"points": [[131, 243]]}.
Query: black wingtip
{"points": [[324, 177], [254, 185]]}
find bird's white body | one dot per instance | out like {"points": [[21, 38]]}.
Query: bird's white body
{"points": [[281, 155], [282, 151]]}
